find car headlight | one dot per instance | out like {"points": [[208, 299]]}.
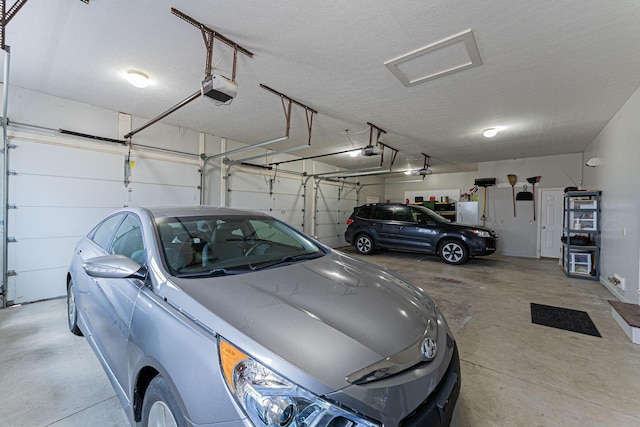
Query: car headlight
{"points": [[270, 400], [481, 233]]}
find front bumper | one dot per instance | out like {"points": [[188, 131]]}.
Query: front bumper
{"points": [[485, 246], [441, 408]]}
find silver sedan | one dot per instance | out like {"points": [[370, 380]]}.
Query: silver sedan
{"points": [[212, 316]]}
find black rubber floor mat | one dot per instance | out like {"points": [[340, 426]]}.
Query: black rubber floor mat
{"points": [[563, 318]]}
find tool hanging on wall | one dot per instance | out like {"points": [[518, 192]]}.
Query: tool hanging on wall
{"points": [[524, 194], [484, 183], [512, 180], [533, 181]]}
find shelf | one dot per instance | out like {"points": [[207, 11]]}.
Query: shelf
{"points": [[581, 223], [579, 247]]}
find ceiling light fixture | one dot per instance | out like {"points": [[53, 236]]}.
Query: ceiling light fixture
{"points": [[354, 153], [138, 78], [490, 133]]}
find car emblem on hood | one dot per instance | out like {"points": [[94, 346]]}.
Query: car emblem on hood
{"points": [[429, 348], [422, 350]]}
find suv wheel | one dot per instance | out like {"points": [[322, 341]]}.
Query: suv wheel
{"points": [[454, 252], [364, 244]]}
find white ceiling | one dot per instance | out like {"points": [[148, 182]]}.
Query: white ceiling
{"points": [[553, 72]]}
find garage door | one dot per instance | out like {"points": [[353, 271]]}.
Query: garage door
{"points": [[280, 196], [334, 204], [58, 192]]}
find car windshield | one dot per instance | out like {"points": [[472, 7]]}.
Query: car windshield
{"points": [[432, 215], [216, 246]]}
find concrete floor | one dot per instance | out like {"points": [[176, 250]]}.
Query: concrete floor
{"points": [[514, 373]]}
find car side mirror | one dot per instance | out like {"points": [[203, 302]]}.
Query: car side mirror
{"points": [[114, 267]]}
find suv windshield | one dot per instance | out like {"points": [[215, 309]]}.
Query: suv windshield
{"points": [[431, 215], [215, 246]]}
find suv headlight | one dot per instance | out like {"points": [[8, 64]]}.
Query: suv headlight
{"points": [[481, 233], [270, 400]]}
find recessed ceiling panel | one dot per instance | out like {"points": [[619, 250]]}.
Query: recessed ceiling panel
{"points": [[453, 54]]}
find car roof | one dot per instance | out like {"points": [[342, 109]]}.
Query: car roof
{"points": [[385, 204], [187, 211]]}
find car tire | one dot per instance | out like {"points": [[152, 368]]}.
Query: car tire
{"points": [[159, 407], [453, 251], [72, 310], [364, 244]]}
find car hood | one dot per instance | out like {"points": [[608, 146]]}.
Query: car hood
{"points": [[461, 226], [328, 317]]}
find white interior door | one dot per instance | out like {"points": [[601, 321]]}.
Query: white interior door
{"points": [[550, 222]]}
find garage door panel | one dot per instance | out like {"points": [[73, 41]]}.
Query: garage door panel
{"points": [[257, 182], [33, 190], [249, 182], [334, 205], [46, 222], [38, 285], [43, 159], [41, 254], [284, 202], [162, 195], [250, 200], [164, 172]]}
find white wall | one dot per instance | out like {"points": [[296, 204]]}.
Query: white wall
{"points": [[519, 235], [618, 147]]}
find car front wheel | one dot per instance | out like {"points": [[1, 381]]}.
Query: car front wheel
{"points": [[72, 310], [365, 244], [159, 407], [454, 252]]}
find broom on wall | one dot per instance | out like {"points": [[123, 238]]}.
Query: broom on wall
{"points": [[512, 180]]}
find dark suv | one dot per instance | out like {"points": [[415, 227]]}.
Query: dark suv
{"points": [[416, 228]]}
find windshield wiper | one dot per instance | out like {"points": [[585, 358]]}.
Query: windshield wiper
{"points": [[286, 260], [216, 272]]}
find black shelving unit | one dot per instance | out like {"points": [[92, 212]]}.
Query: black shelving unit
{"points": [[446, 210], [581, 239]]}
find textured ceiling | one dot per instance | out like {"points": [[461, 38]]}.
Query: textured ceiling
{"points": [[553, 73]]}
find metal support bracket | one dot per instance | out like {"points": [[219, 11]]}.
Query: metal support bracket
{"points": [[209, 35], [7, 16], [309, 112]]}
